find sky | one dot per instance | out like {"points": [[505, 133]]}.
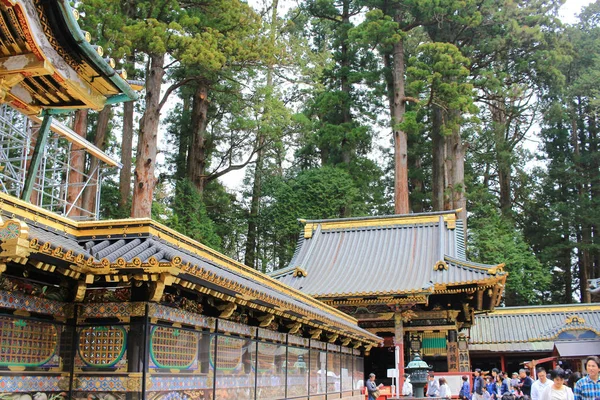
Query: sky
{"points": [[571, 8]]}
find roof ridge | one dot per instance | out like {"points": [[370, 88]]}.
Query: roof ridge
{"points": [[377, 217], [474, 265], [281, 271]]}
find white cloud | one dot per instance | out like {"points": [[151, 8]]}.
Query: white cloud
{"points": [[571, 8]]}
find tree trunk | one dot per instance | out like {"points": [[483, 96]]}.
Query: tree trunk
{"points": [[90, 192], [198, 154], [566, 261], [439, 149], [144, 179], [455, 155], [184, 140], [77, 166], [252, 236], [594, 182], [584, 239], [417, 186], [398, 108], [503, 156], [347, 146], [126, 156]]}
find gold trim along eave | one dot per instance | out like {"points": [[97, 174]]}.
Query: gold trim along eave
{"points": [[567, 308], [449, 218], [437, 288]]}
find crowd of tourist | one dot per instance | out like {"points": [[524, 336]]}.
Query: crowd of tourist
{"points": [[557, 384]]}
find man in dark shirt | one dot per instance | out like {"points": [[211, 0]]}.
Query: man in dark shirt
{"points": [[478, 387], [525, 383]]}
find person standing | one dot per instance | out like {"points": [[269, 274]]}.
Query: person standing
{"points": [[478, 385], [540, 384], [573, 378], [465, 390], [407, 389], [525, 383], [557, 390], [514, 382], [372, 387], [502, 385], [433, 387], [491, 388], [588, 387], [445, 392]]}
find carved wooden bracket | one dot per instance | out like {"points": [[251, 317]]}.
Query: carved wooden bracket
{"points": [[227, 310], [315, 333], [332, 337], [158, 287], [346, 341], [294, 328], [266, 320], [80, 292]]}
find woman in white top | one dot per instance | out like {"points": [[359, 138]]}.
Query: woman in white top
{"points": [[445, 389], [558, 390]]}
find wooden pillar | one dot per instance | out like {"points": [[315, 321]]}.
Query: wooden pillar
{"points": [[503, 363], [399, 337], [452, 351], [464, 361]]}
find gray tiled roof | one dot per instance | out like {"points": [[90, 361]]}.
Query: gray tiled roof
{"points": [[531, 328], [379, 259], [147, 246]]}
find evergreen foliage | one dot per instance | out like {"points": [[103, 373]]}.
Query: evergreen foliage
{"points": [[322, 105], [190, 217]]}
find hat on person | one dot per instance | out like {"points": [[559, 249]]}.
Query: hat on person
{"points": [[371, 374]]}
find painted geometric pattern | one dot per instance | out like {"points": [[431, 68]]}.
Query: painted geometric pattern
{"points": [[26, 343], [167, 383], [234, 327], [173, 348], [33, 383], [102, 346], [176, 315], [19, 301], [108, 383], [230, 351], [106, 310], [10, 230]]}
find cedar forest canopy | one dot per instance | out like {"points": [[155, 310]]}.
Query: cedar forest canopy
{"points": [[305, 100], [349, 108]]}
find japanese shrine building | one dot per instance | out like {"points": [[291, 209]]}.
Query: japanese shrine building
{"points": [[404, 278]]}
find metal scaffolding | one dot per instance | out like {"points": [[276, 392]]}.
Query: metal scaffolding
{"points": [[54, 189]]}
